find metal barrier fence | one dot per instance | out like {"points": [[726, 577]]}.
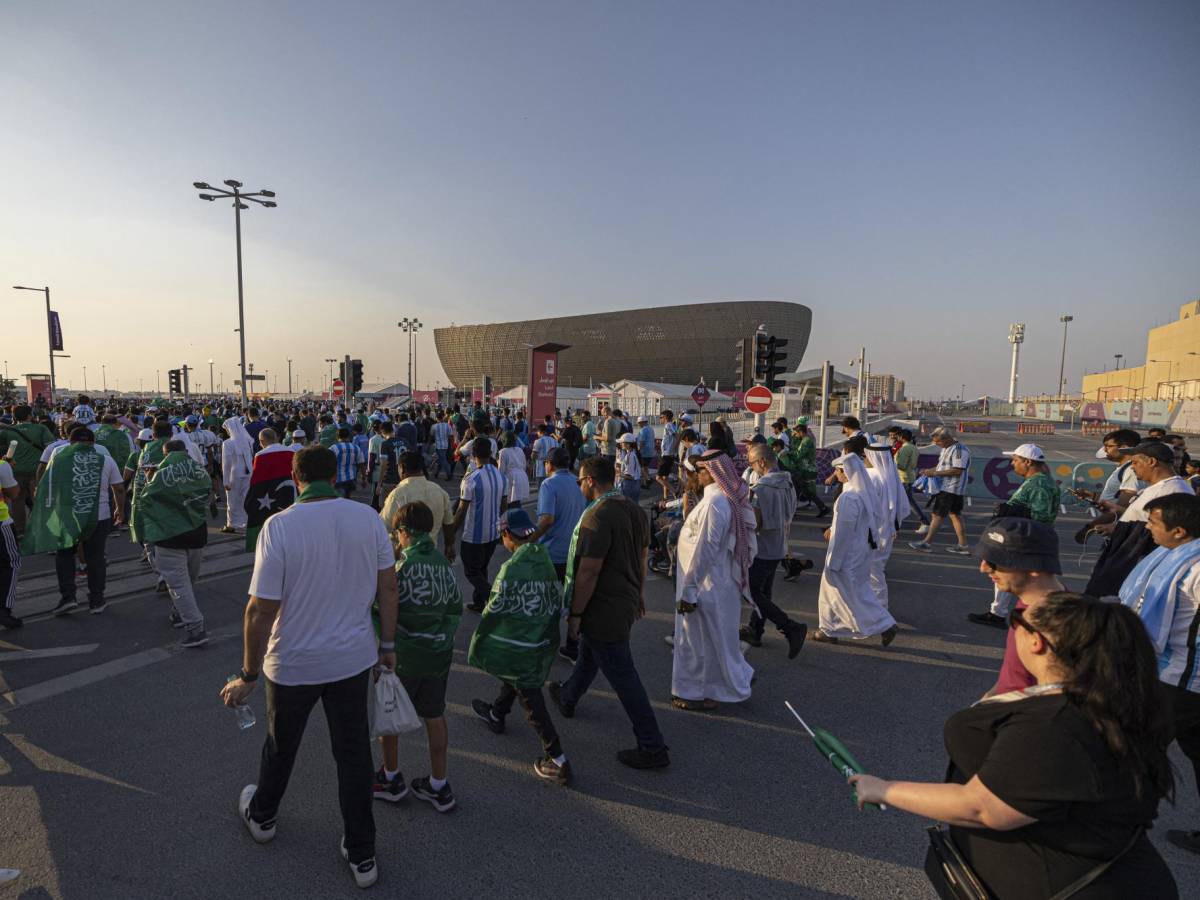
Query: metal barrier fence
{"points": [[1035, 428]]}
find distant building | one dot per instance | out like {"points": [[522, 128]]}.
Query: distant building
{"points": [[667, 344], [889, 388], [1171, 371]]}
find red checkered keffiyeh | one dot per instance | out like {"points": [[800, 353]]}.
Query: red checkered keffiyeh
{"points": [[725, 475]]}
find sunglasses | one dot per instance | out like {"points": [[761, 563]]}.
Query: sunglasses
{"points": [[582, 479], [1015, 618]]}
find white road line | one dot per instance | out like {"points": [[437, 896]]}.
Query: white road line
{"points": [[47, 652], [90, 675]]}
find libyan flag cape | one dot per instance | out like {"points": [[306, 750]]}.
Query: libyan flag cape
{"points": [[68, 500], [517, 635], [271, 489], [173, 501]]}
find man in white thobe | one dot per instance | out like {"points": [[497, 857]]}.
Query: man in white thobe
{"points": [[847, 605], [716, 545], [892, 509], [237, 458]]}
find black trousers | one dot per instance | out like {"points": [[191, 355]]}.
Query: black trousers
{"points": [[10, 565], [615, 660], [536, 713], [1185, 708], [475, 560], [762, 582], [93, 556], [345, 704]]}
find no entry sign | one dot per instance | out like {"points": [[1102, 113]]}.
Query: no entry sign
{"points": [[758, 399]]}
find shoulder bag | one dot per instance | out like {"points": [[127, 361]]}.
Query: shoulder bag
{"points": [[954, 879]]}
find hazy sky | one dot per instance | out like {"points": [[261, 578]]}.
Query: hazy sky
{"points": [[919, 174]]}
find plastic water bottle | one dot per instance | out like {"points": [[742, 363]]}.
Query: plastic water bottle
{"points": [[244, 714], [12, 451]]}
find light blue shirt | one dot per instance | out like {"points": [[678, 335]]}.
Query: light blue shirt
{"points": [[484, 489], [349, 458], [645, 442], [559, 496]]}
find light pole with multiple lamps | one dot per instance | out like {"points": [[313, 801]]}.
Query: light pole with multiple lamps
{"points": [[1062, 366], [410, 327], [237, 196], [1118, 357], [331, 361], [49, 330]]}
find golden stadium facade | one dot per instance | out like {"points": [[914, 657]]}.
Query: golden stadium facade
{"points": [[671, 344]]}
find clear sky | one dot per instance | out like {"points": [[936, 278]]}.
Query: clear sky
{"points": [[920, 174]]}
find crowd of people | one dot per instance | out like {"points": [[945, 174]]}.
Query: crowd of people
{"points": [[1100, 681]]}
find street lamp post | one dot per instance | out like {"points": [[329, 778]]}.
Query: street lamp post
{"points": [[1062, 366], [85, 379], [104, 377], [410, 327], [211, 391], [158, 381], [238, 206], [49, 330], [1118, 357], [331, 361], [289, 375]]}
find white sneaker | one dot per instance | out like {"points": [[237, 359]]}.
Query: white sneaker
{"points": [[263, 832], [669, 640], [7, 875], [921, 529], [365, 873]]}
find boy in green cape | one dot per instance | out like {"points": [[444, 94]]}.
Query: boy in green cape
{"points": [[429, 610], [517, 638]]}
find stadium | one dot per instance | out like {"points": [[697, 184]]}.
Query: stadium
{"points": [[671, 344]]}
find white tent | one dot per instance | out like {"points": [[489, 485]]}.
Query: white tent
{"points": [[565, 397], [649, 398]]}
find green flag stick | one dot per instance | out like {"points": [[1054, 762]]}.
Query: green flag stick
{"points": [[834, 751]]}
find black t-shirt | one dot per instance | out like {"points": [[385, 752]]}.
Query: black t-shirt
{"points": [[391, 450], [189, 540], [572, 437], [616, 531], [1042, 757]]}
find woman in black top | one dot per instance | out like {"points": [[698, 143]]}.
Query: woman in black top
{"points": [[1047, 784]]}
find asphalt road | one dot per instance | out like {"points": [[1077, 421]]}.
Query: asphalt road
{"points": [[119, 768]]}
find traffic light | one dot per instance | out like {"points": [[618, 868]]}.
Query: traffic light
{"points": [[175, 380], [760, 357], [775, 360], [741, 359], [342, 373], [356, 381]]}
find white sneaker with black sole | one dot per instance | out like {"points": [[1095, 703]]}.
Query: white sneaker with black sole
{"points": [[262, 832], [365, 873]]}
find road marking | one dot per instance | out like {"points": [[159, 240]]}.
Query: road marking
{"points": [[90, 675], [47, 652], [45, 761]]}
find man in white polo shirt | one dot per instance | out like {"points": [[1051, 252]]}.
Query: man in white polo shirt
{"points": [[318, 567], [952, 468]]}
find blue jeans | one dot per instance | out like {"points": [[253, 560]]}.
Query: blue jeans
{"points": [[443, 462], [916, 507], [615, 660], [632, 488]]}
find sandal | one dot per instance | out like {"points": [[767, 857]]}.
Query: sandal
{"points": [[693, 705], [821, 637]]}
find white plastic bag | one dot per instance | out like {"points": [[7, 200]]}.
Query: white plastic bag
{"points": [[392, 710]]}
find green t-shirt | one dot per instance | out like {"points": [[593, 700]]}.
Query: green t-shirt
{"points": [[1041, 496], [906, 463]]}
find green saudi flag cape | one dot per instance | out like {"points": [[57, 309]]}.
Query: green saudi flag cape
{"points": [[173, 501], [115, 442], [517, 635], [68, 500], [428, 613], [151, 455]]}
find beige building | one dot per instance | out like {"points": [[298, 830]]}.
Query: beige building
{"points": [[1172, 369], [888, 387]]}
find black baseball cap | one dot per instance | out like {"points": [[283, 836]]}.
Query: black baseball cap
{"points": [[1156, 450], [1021, 544]]}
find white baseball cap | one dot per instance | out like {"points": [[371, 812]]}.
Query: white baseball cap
{"points": [[627, 438], [1028, 451]]}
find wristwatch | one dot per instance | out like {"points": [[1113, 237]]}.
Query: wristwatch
{"points": [[246, 676]]}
